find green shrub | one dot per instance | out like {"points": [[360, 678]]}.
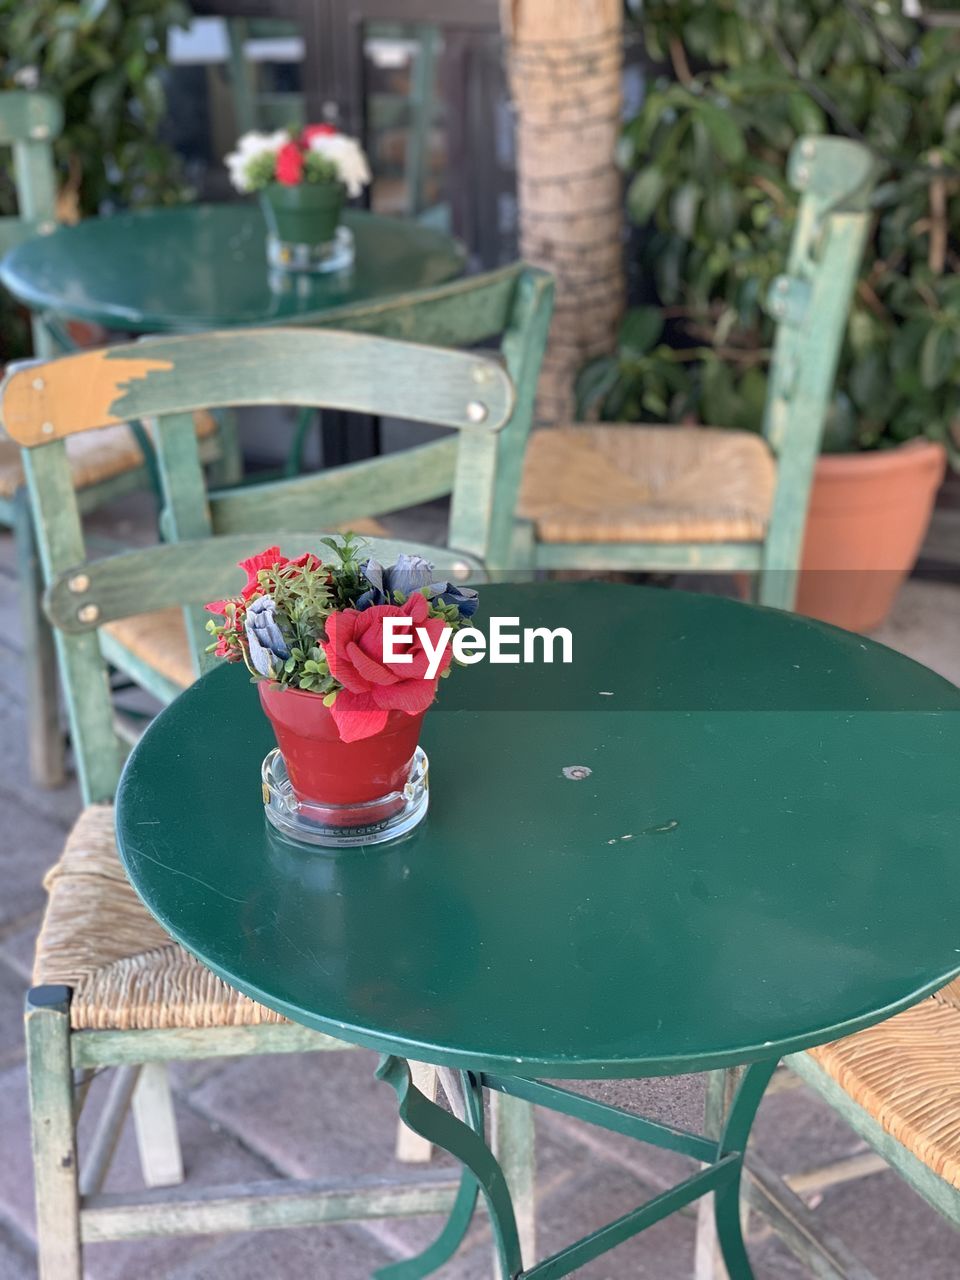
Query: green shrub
{"points": [[103, 59], [707, 158]]}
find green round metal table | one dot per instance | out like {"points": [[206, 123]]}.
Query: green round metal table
{"points": [[719, 835], [205, 266]]}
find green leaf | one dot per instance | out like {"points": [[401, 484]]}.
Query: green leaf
{"points": [[640, 331], [644, 193], [937, 357], [684, 204], [91, 10], [805, 115], [724, 130], [594, 383]]}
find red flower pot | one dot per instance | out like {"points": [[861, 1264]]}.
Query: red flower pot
{"points": [[323, 770]]}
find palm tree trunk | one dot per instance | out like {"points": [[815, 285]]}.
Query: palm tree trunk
{"points": [[565, 60]]}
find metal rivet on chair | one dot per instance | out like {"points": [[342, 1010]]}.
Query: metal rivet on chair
{"points": [[38, 384], [803, 173], [40, 131], [459, 569], [783, 284], [808, 149], [481, 373], [779, 309], [47, 428], [79, 583], [46, 228], [476, 412], [88, 613]]}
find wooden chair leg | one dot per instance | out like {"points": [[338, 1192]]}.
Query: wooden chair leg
{"points": [[721, 1090], [158, 1142], [513, 1141], [103, 1145], [54, 1136], [411, 1148], [777, 588], [44, 733]]}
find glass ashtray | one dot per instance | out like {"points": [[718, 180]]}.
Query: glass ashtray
{"points": [[330, 255], [342, 826]]}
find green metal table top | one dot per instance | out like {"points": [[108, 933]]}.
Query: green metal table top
{"points": [[764, 855], [205, 266]]}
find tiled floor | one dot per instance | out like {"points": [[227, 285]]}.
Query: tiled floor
{"points": [[324, 1115]]}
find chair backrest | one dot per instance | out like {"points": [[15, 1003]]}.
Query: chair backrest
{"points": [[811, 303], [29, 122], [42, 404]]}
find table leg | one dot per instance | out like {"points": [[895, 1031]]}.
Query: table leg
{"points": [[734, 1138], [465, 1141]]}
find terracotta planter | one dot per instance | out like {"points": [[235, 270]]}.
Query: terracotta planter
{"points": [[325, 771], [867, 519]]}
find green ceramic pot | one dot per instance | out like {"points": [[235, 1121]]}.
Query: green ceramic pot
{"points": [[308, 214]]}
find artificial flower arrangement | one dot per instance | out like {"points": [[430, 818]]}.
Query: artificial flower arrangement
{"points": [[346, 717], [302, 178], [318, 153]]}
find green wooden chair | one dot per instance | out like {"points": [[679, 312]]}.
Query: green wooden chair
{"points": [[510, 307], [691, 498], [103, 466], [112, 988]]}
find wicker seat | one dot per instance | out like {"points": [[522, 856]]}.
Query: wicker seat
{"points": [[125, 970], [647, 484], [905, 1074], [160, 639], [94, 456]]}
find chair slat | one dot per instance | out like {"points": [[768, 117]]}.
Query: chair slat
{"points": [[373, 487], [277, 366], [82, 599]]}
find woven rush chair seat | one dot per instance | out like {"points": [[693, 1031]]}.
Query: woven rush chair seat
{"points": [[647, 484], [94, 455], [160, 639], [905, 1073], [126, 972]]}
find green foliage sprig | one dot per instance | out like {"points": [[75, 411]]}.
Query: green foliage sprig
{"points": [[104, 60], [707, 158]]}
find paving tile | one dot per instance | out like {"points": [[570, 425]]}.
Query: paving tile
{"points": [[17, 944], [13, 986], [16, 1261], [59, 807], [334, 1252], [796, 1131], [894, 1233], [30, 844], [310, 1115]]}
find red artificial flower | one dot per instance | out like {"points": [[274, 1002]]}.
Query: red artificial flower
{"points": [[316, 131], [268, 559], [307, 561], [227, 649], [372, 688], [217, 606], [290, 164]]}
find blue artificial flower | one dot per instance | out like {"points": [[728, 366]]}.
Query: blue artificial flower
{"points": [[268, 649], [465, 598], [409, 574]]}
